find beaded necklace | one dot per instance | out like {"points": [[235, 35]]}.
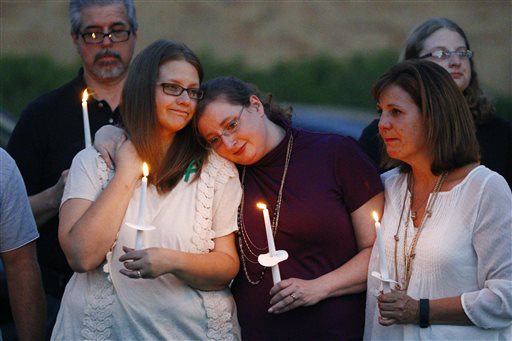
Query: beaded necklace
{"points": [[243, 236], [409, 255]]}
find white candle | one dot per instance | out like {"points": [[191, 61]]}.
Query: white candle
{"points": [[142, 205], [276, 275], [382, 254], [85, 115]]}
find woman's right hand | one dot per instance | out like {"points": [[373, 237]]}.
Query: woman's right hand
{"points": [[397, 307], [107, 141]]}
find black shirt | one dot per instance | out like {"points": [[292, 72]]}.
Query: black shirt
{"points": [[47, 136], [494, 137]]}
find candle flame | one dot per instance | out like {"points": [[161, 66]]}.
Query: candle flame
{"points": [[261, 206], [375, 216], [145, 169], [85, 96]]}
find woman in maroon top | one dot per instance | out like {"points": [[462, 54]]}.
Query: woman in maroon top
{"points": [[320, 190]]}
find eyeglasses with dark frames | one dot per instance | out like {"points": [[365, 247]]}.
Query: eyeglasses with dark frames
{"points": [[445, 55], [229, 129], [177, 90], [115, 36]]}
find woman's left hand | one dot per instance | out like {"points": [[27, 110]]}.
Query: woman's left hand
{"points": [[292, 293], [144, 263], [397, 308]]}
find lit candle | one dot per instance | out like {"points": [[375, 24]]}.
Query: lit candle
{"points": [[85, 115], [142, 205], [382, 254], [276, 275]]}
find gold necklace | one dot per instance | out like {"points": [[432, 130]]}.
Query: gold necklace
{"points": [[409, 255], [414, 213], [243, 236]]}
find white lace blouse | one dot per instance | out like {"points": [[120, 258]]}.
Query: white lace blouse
{"points": [[465, 249], [104, 304]]}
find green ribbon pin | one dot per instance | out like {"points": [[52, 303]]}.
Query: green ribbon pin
{"points": [[193, 167]]}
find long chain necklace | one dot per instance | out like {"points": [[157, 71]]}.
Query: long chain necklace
{"points": [[410, 254], [243, 236]]}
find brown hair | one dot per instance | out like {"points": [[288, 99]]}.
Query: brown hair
{"points": [[450, 132], [236, 91], [138, 111], [479, 103]]}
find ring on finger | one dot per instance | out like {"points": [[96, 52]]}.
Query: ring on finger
{"points": [[293, 297], [139, 275]]}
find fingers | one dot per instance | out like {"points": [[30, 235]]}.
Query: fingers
{"points": [[386, 321], [127, 249], [108, 158], [387, 298], [280, 286], [132, 263], [130, 254], [286, 295], [397, 307], [64, 175], [287, 303], [135, 274], [106, 155], [63, 178], [122, 139], [281, 290]]}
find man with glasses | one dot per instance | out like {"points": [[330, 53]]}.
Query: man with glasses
{"points": [[50, 131]]}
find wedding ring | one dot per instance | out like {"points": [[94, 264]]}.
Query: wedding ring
{"points": [[139, 274], [293, 297]]}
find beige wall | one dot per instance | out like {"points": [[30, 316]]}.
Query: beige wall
{"points": [[263, 32]]}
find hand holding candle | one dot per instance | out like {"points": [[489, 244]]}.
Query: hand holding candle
{"points": [[85, 116], [273, 257], [384, 275]]}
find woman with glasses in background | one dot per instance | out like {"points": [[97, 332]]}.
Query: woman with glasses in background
{"points": [[320, 190], [175, 287], [443, 42]]}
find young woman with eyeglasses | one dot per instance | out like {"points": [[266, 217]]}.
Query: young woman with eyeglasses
{"points": [[320, 190], [443, 42], [175, 287]]}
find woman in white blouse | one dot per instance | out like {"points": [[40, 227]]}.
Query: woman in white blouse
{"points": [[447, 223], [176, 286]]}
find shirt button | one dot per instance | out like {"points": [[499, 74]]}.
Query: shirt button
{"points": [[110, 120], [100, 104]]}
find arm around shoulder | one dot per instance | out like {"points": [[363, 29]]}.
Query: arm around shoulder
{"points": [[90, 216]]}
